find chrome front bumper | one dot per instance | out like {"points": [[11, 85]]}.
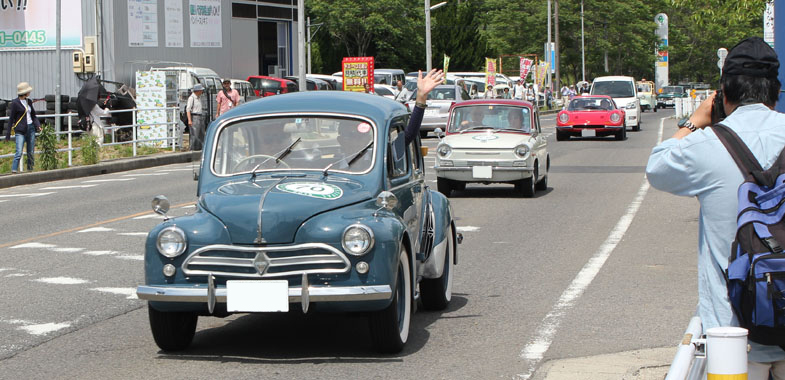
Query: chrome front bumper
{"points": [[314, 293]]}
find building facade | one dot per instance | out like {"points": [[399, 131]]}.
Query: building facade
{"points": [[234, 38]]}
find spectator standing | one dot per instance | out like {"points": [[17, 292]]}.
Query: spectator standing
{"points": [[506, 93], [227, 98], [488, 93], [695, 163], [548, 97], [25, 125], [531, 96], [585, 88], [573, 93], [398, 87], [520, 88], [195, 117], [565, 95]]}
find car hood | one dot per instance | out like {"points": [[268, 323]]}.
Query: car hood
{"points": [[284, 204], [485, 140], [622, 102], [590, 117]]}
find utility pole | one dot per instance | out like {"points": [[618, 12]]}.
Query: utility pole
{"points": [[548, 49], [58, 106], [300, 44], [556, 45], [428, 36], [309, 44], [583, 49]]}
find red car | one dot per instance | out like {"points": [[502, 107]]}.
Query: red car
{"points": [[266, 86], [590, 116]]}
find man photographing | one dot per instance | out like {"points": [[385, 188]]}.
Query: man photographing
{"points": [[695, 163]]}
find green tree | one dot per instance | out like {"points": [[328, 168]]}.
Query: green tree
{"points": [[455, 31]]}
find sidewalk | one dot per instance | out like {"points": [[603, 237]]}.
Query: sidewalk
{"points": [[646, 364], [105, 167]]}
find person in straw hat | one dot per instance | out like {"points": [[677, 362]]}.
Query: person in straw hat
{"points": [[24, 124]]}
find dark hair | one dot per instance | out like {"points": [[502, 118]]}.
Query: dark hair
{"points": [[745, 89]]}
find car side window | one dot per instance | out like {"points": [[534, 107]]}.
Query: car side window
{"points": [[397, 160], [465, 95]]}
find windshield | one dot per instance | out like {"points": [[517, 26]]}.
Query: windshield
{"points": [[614, 89], [644, 87], [254, 144], [591, 104], [495, 117], [382, 91], [266, 84], [382, 78], [672, 90], [439, 93]]}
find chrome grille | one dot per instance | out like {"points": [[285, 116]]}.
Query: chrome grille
{"points": [[265, 262]]}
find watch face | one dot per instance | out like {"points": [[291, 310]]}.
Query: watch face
{"points": [[683, 122]]}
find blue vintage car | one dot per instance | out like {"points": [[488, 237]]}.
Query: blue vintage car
{"points": [[310, 201]]}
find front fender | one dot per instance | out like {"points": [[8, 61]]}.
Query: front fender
{"points": [[442, 215]]}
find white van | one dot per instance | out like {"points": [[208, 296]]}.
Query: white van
{"points": [[181, 79], [388, 76], [624, 93]]}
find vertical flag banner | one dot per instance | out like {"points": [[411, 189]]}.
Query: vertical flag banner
{"points": [[525, 67], [542, 71], [490, 72], [446, 66], [357, 71]]}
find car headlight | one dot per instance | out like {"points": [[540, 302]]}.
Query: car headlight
{"points": [[171, 242], [444, 150], [563, 117], [357, 239], [615, 117], [630, 105], [522, 150]]}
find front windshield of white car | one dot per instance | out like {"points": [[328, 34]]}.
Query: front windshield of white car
{"points": [[490, 117], [614, 89], [439, 93], [294, 143]]}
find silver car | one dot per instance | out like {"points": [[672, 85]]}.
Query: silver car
{"points": [[440, 99]]}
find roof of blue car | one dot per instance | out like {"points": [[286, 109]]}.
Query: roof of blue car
{"points": [[373, 106]]}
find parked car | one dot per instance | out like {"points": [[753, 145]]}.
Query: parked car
{"points": [[388, 76], [493, 141], [624, 93], [335, 82], [245, 89], [388, 92], [647, 96], [266, 86], [590, 116], [180, 80], [439, 101], [310, 84], [667, 95], [311, 201]]}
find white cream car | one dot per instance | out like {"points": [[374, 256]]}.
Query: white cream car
{"points": [[624, 93], [492, 141]]}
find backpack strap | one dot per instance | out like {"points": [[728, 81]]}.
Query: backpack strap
{"points": [[742, 155]]}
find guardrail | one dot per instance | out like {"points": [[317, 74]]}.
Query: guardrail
{"points": [[689, 363], [70, 132]]}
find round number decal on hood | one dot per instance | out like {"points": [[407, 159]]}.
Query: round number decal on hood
{"points": [[312, 189]]}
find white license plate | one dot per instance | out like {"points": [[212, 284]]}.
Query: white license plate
{"points": [[482, 171], [432, 112], [669, 102], [588, 133], [250, 296]]}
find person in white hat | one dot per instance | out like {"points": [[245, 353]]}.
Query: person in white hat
{"points": [[24, 124]]}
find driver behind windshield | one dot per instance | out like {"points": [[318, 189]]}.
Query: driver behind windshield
{"points": [[272, 139], [475, 118], [515, 119]]}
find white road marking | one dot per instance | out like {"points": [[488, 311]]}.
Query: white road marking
{"points": [[142, 174], [3, 200], [5, 269], [150, 216], [33, 245], [67, 187], [99, 253], [18, 275], [133, 233], [96, 229], [44, 328], [25, 195], [130, 293], [174, 170], [66, 249], [131, 257], [62, 280], [467, 229], [109, 180], [536, 348]]}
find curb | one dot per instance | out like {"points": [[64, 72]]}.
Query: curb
{"points": [[106, 167], [643, 364]]}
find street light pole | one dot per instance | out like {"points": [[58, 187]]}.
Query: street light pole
{"points": [[548, 47], [301, 44], [428, 9], [583, 49]]}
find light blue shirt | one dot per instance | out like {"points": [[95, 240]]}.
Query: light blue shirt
{"points": [[699, 166]]}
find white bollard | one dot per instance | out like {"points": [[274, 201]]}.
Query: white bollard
{"points": [[678, 106], [726, 353]]}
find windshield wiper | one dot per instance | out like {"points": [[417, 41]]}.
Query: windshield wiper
{"points": [[475, 128], [511, 130], [279, 156], [354, 158]]}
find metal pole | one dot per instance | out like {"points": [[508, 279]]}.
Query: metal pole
{"points": [[309, 44], [548, 47], [70, 134], [134, 129], [301, 44], [583, 49], [98, 50], [58, 74], [174, 129], [428, 64]]}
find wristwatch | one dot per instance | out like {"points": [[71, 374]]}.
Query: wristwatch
{"points": [[686, 123]]}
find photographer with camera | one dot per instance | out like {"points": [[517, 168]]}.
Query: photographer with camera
{"points": [[695, 163]]}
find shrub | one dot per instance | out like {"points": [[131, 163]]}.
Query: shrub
{"points": [[48, 147], [90, 150]]}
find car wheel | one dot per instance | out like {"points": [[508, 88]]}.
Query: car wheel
{"points": [[526, 185], [444, 186], [390, 327], [655, 109], [622, 134], [458, 185], [636, 127], [172, 331], [560, 136], [436, 293], [543, 184]]}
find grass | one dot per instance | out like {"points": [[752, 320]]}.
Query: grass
{"points": [[105, 153]]}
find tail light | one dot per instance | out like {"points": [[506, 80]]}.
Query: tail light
{"points": [[564, 117], [615, 117]]}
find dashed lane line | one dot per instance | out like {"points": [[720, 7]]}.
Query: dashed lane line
{"points": [[68, 187]]}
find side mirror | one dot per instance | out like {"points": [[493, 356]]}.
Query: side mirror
{"points": [[386, 200], [438, 132], [160, 205]]}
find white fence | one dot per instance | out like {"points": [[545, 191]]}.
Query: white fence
{"points": [[690, 360], [172, 131]]}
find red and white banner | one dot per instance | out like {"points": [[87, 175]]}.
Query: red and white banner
{"points": [[525, 67]]}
